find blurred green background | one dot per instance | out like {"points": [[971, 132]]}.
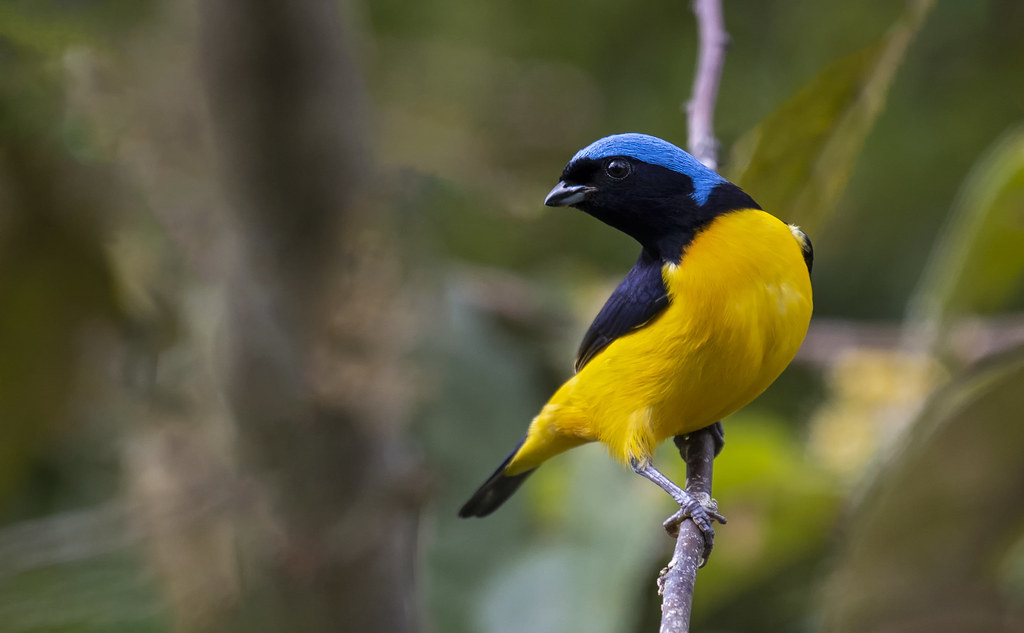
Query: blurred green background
{"points": [[369, 193]]}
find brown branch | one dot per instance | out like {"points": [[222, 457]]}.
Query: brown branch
{"points": [[697, 449], [677, 580], [287, 107], [966, 341], [713, 41]]}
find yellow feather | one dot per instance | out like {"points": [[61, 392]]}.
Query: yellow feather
{"points": [[740, 304]]}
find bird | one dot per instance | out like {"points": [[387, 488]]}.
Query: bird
{"points": [[714, 309]]}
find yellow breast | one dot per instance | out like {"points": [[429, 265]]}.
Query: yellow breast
{"points": [[739, 310], [740, 304]]}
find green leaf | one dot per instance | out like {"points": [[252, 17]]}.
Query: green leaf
{"points": [[80, 571], [977, 262], [800, 158]]}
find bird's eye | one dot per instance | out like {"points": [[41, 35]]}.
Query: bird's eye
{"points": [[617, 168]]}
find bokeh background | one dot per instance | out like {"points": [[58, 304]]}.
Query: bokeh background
{"points": [[277, 291]]}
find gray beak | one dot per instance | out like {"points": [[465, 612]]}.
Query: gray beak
{"points": [[564, 195]]}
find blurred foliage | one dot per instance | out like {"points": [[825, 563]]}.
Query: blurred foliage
{"points": [[860, 494], [934, 545], [975, 266]]}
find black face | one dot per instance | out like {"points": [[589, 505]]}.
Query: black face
{"points": [[651, 203]]}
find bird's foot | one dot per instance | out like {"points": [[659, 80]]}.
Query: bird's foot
{"points": [[702, 510]]}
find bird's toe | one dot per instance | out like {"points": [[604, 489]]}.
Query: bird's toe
{"points": [[703, 513]]}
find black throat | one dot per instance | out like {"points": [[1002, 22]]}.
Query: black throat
{"points": [[657, 208]]}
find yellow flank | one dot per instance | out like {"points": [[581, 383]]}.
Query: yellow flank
{"points": [[740, 303]]}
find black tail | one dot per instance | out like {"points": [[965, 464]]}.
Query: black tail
{"points": [[496, 490]]}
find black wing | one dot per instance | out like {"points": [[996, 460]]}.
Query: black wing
{"points": [[639, 297], [805, 245]]}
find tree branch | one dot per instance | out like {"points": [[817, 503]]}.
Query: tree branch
{"points": [[677, 580], [713, 41], [317, 408], [697, 449]]}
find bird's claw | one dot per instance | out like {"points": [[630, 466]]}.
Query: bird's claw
{"points": [[702, 513]]}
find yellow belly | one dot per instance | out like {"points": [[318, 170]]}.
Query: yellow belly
{"points": [[740, 304]]}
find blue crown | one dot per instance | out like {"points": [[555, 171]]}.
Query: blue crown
{"points": [[653, 150]]}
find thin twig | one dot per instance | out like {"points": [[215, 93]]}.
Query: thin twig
{"points": [[967, 341], [697, 449], [713, 41], [677, 580]]}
